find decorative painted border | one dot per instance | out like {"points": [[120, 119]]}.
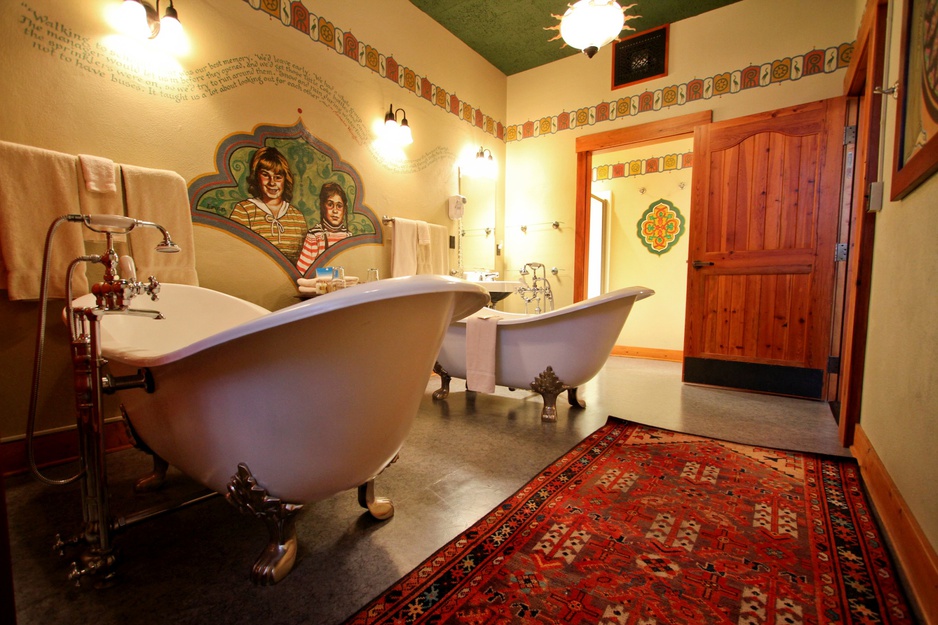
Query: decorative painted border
{"points": [[640, 167], [811, 63], [294, 14]]}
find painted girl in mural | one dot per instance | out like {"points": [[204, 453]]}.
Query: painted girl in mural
{"points": [[268, 212], [333, 225]]}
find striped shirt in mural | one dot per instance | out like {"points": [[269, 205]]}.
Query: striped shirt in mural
{"points": [[285, 229], [318, 240]]}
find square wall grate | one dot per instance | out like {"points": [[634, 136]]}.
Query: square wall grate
{"points": [[640, 57]]}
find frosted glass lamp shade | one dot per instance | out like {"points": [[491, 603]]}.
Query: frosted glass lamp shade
{"points": [[588, 25]]}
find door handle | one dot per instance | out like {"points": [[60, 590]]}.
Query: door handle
{"points": [[701, 263]]}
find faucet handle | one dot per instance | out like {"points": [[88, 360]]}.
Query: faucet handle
{"points": [[153, 288]]}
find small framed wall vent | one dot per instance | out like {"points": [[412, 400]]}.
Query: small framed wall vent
{"points": [[640, 57]]}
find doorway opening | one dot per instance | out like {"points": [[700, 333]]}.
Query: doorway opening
{"points": [[593, 250]]}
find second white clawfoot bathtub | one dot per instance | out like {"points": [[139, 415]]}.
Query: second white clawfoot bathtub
{"points": [[549, 352]]}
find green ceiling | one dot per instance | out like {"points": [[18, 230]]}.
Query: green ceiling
{"points": [[510, 33]]}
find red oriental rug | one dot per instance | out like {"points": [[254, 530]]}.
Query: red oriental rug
{"points": [[638, 525]]}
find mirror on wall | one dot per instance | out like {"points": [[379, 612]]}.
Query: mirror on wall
{"points": [[476, 243]]}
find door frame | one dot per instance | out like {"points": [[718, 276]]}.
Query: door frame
{"points": [[864, 76], [631, 136]]}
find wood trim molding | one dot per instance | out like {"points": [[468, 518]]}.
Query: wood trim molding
{"points": [[584, 175], [854, 79], [57, 448], [916, 556], [862, 228], [630, 136], [649, 353], [650, 132]]}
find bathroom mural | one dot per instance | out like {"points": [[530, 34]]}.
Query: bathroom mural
{"points": [[287, 193], [660, 227]]}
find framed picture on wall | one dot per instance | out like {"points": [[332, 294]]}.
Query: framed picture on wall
{"points": [[916, 153]]}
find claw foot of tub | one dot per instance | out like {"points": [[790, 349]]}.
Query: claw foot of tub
{"points": [[277, 559], [153, 480], [445, 378], [549, 386], [575, 401], [380, 508]]}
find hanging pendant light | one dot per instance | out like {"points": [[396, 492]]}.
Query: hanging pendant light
{"points": [[588, 25]]}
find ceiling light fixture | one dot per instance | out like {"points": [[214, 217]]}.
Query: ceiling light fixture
{"points": [[399, 133], [588, 25]]}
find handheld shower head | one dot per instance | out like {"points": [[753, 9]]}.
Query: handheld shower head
{"points": [[109, 224], [166, 246]]}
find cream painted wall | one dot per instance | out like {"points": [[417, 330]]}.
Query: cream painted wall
{"points": [[657, 322], [83, 98], [899, 409]]}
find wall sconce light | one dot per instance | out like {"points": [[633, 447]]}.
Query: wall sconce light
{"points": [[588, 25], [398, 133], [142, 20], [484, 165]]}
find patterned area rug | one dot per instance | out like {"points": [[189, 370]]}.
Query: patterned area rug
{"points": [[643, 526]]}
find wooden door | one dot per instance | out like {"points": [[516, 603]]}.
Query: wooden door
{"points": [[763, 230]]}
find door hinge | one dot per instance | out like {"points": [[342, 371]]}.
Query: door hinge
{"points": [[833, 364], [850, 135], [840, 252]]}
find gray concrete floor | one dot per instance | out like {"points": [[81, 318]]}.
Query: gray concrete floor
{"points": [[464, 456]]}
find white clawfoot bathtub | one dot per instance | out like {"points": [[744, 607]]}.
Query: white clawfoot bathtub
{"points": [[278, 409], [549, 352]]}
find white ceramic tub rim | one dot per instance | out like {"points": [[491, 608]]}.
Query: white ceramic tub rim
{"points": [[359, 294], [509, 318]]}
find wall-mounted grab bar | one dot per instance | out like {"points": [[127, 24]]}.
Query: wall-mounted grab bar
{"points": [[487, 231], [553, 224]]}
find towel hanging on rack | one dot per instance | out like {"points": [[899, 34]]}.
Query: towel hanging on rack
{"points": [[404, 248]]}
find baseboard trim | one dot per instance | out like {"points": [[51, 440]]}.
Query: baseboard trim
{"points": [[649, 353], [57, 448], [917, 558]]}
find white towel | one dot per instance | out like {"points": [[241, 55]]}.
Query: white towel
{"points": [[36, 187], [160, 196], [92, 199], [481, 338], [98, 173], [404, 248], [439, 250], [424, 252], [423, 233]]}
